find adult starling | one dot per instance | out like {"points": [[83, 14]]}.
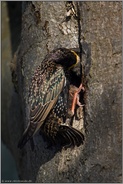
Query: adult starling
{"points": [[48, 99]]}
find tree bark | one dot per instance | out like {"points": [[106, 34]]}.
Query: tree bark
{"points": [[101, 25], [95, 27]]}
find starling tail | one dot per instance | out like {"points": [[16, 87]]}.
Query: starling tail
{"points": [[69, 136], [23, 140], [27, 135]]}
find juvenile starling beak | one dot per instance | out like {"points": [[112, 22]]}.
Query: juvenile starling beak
{"points": [[48, 98]]}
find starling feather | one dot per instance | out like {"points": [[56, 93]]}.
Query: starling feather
{"points": [[48, 98]]}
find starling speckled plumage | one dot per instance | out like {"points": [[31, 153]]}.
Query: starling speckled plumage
{"points": [[48, 99]]}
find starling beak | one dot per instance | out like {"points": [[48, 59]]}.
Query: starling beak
{"points": [[48, 98]]}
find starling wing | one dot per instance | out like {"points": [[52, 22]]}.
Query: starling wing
{"points": [[46, 86]]}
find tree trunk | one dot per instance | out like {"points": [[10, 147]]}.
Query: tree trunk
{"points": [[94, 27]]}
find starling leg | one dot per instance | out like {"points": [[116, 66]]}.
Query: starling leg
{"points": [[76, 98]]}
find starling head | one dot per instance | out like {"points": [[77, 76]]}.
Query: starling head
{"points": [[65, 57]]}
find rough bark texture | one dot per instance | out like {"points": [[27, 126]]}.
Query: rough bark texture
{"points": [[101, 26], [45, 26]]}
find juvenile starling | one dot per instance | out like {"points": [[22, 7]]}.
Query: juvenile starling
{"points": [[48, 99]]}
